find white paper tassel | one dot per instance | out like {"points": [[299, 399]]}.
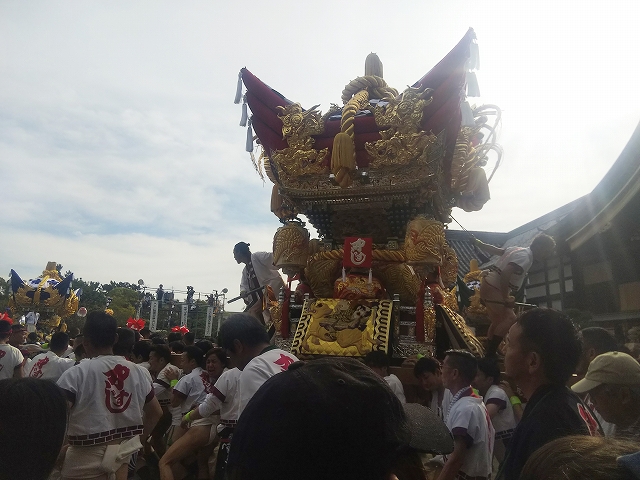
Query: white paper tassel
{"points": [[239, 89], [245, 116], [467, 115], [344, 275], [474, 57], [249, 138], [473, 90], [370, 276]]}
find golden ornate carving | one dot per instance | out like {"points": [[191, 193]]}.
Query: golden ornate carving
{"points": [[321, 273], [400, 279], [429, 324], [291, 247], [449, 268], [403, 114], [424, 241], [343, 327], [469, 341], [451, 299], [300, 158]]}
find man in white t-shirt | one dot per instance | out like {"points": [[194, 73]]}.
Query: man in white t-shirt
{"points": [[111, 404], [259, 271], [50, 365], [247, 344], [498, 404], [166, 376], [468, 421], [429, 373], [11, 359], [505, 277], [221, 398], [378, 361]]}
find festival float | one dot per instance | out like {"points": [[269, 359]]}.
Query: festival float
{"points": [[377, 177], [45, 300]]}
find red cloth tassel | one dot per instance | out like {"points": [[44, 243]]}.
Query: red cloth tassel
{"points": [[420, 313]]}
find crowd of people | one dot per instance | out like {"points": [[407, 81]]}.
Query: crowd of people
{"points": [[138, 405]]}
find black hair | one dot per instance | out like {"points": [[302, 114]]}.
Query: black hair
{"points": [[194, 353], [242, 327], [220, 353], [426, 364], [553, 336], [144, 331], [158, 341], [177, 347], [189, 337], [242, 248], [376, 359], [100, 329], [174, 337], [161, 351], [142, 349], [600, 340], [125, 343], [490, 368], [59, 341], [79, 351], [204, 345], [464, 362], [32, 337], [38, 409]]}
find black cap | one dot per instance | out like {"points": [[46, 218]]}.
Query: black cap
{"points": [[329, 418]]}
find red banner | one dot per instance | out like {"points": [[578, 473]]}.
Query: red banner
{"points": [[357, 252]]}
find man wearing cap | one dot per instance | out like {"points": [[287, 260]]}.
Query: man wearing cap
{"points": [[467, 420], [259, 271], [11, 359], [247, 344], [332, 419], [542, 352], [613, 383], [596, 341]]}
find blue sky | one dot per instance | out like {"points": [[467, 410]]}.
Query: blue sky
{"points": [[121, 155]]}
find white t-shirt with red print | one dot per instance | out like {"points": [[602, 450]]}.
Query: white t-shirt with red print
{"points": [[270, 362], [108, 394]]}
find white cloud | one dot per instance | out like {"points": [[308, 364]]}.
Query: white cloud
{"points": [[120, 150]]}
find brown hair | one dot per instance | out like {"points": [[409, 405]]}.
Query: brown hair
{"points": [[577, 457]]}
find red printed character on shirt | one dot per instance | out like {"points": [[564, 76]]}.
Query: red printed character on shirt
{"points": [[36, 371], [283, 362], [117, 399], [591, 422], [206, 382]]}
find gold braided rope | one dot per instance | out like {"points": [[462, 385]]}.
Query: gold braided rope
{"points": [[355, 97], [394, 256]]}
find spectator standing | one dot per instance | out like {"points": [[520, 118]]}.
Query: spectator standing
{"points": [[11, 359], [542, 351], [107, 397], [378, 361], [468, 421], [428, 371], [613, 383], [247, 344], [498, 404], [596, 341], [50, 365]]}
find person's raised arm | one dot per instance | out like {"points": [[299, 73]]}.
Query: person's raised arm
{"points": [[490, 249]]}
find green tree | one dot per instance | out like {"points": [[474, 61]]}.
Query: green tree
{"points": [[123, 303]]}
